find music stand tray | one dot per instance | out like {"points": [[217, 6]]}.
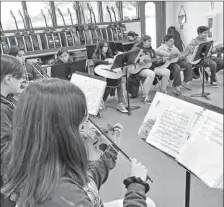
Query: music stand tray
{"points": [[122, 61], [201, 51]]}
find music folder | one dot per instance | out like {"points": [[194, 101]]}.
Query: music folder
{"points": [[93, 87], [200, 49], [126, 58]]}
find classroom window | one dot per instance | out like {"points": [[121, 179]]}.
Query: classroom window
{"points": [[106, 15], [129, 10], [150, 21], [7, 20], [34, 11], [64, 6], [87, 12]]}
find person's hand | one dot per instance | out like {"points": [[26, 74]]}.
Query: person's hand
{"points": [[138, 170], [116, 133], [109, 60], [165, 59]]}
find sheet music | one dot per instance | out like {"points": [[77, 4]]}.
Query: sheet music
{"points": [[168, 122], [93, 90], [203, 152], [160, 103]]}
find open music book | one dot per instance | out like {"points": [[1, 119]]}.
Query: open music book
{"points": [[93, 87], [189, 133]]}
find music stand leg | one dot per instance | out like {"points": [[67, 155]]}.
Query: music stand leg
{"points": [[202, 94], [188, 189], [129, 108]]}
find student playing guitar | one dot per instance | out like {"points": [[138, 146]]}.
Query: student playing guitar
{"points": [[168, 49], [149, 73], [103, 56], [214, 63]]}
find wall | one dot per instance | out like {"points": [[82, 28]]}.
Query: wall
{"points": [[196, 16]]}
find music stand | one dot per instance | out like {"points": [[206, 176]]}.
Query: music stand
{"points": [[122, 61], [201, 51]]}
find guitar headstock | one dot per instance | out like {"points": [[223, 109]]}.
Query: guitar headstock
{"points": [[42, 12], [108, 9], [12, 14], [68, 10], [20, 13], [89, 7], [112, 9], [49, 12], [59, 11]]}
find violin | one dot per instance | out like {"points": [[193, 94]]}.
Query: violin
{"points": [[98, 139]]}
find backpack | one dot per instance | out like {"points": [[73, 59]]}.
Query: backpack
{"points": [[133, 85]]}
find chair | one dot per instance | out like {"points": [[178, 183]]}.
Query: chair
{"points": [[156, 82]]}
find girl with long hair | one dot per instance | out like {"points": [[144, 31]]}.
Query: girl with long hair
{"points": [[103, 55], [46, 163]]}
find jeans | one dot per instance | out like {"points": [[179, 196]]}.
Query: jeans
{"points": [[175, 68], [208, 62]]}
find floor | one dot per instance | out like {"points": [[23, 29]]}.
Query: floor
{"points": [[168, 189]]}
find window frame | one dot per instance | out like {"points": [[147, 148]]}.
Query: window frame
{"points": [[55, 25]]}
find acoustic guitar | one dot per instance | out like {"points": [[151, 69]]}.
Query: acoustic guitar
{"points": [[4, 41], [33, 36], [18, 40], [73, 29], [26, 36], [111, 28], [134, 69], [92, 26], [119, 31], [106, 72]]}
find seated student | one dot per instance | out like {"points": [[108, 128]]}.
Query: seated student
{"points": [[19, 54], [214, 63], [63, 56], [103, 55], [169, 50], [133, 37], [149, 73], [56, 172], [12, 73]]}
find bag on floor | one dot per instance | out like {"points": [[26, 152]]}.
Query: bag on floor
{"points": [[133, 85]]}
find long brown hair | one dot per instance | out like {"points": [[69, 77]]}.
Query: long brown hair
{"points": [[46, 144], [99, 47]]}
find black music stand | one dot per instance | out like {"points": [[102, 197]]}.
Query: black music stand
{"points": [[122, 61], [200, 54]]}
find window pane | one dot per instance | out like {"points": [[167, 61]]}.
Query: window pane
{"points": [[150, 21], [129, 10], [106, 17], [34, 11], [6, 18], [63, 6], [86, 11]]}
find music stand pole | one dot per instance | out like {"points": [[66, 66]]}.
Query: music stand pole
{"points": [[188, 189], [129, 108], [202, 94]]}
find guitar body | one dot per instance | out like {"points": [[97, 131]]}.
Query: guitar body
{"points": [[19, 41], [110, 34], [168, 62], [4, 45], [105, 34], [34, 39], [28, 42], [104, 71], [134, 69]]}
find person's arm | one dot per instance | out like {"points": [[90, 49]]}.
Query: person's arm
{"points": [[136, 192], [100, 171], [96, 60], [161, 51], [6, 128]]}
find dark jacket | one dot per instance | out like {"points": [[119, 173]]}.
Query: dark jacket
{"points": [[7, 110], [70, 193], [177, 39]]}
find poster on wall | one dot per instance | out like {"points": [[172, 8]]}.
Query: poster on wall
{"points": [[211, 23]]}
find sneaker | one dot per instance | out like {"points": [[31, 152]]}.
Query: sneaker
{"points": [[121, 107], [214, 85], [184, 84], [176, 90], [146, 100]]}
